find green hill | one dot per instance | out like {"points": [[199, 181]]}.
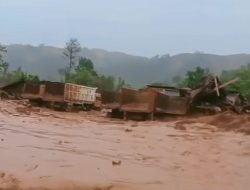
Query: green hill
{"points": [[136, 70]]}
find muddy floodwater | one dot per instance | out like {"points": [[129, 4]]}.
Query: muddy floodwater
{"points": [[41, 148]]}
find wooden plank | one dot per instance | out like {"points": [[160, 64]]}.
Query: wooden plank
{"points": [[228, 83], [216, 86]]}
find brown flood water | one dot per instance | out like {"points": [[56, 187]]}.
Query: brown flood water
{"points": [[57, 150]]}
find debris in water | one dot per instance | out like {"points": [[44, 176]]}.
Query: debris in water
{"points": [[116, 163]]}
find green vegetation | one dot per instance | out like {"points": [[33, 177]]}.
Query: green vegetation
{"points": [[243, 84], [193, 78], [7, 76], [3, 65], [16, 75], [85, 74]]}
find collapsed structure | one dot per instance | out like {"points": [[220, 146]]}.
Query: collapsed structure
{"points": [[210, 96]]}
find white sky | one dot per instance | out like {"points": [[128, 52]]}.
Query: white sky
{"points": [[139, 27]]}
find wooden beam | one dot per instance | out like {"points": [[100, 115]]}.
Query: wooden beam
{"points": [[216, 86], [227, 83]]}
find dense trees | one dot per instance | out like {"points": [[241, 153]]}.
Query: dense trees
{"points": [[85, 74], [193, 78]]}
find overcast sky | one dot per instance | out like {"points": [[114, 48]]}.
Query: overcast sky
{"points": [[139, 27]]}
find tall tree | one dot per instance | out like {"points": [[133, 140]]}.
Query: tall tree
{"points": [[71, 51], [3, 50]]}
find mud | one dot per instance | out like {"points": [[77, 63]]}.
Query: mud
{"points": [[46, 149], [226, 121]]}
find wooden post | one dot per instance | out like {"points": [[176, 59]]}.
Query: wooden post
{"points": [[216, 86]]}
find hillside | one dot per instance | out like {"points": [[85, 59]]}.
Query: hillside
{"points": [[138, 71]]}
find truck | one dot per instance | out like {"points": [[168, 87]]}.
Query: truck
{"points": [[61, 95]]}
